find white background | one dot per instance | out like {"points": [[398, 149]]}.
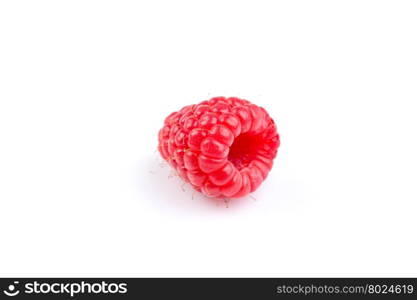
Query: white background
{"points": [[85, 86]]}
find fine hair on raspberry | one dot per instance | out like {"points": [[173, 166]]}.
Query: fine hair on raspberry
{"points": [[223, 147]]}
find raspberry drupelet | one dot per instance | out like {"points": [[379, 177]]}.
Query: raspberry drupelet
{"points": [[223, 147]]}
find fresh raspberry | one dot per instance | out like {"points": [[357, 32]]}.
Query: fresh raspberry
{"points": [[224, 147]]}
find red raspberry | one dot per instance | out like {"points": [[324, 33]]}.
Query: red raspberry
{"points": [[223, 147]]}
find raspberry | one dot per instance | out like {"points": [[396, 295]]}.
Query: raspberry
{"points": [[223, 147]]}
